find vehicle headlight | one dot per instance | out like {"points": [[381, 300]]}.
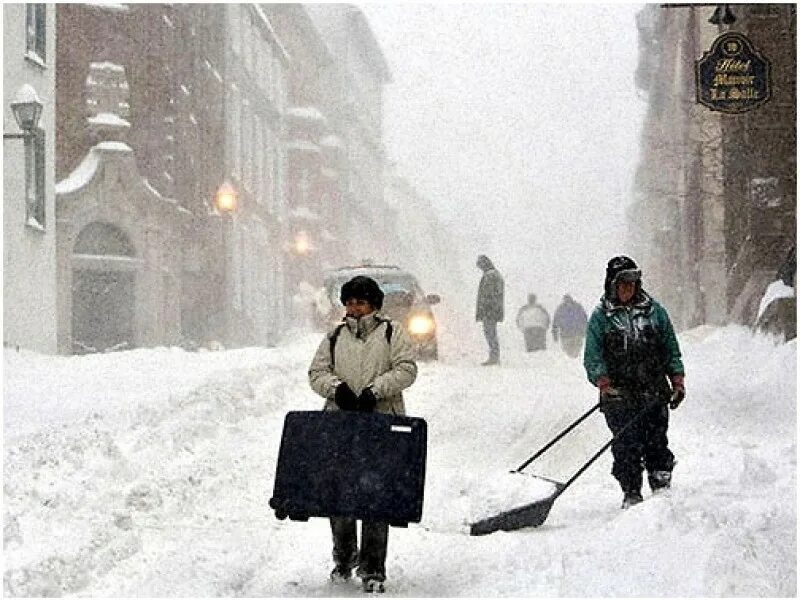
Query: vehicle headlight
{"points": [[421, 325]]}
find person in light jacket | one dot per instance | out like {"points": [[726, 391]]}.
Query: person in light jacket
{"points": [[360, 367], [533, 320], [490, 306]]}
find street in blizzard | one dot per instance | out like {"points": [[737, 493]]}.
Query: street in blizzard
{"points": [[285, 281]]}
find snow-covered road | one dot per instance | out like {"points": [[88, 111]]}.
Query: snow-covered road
{"points": [[146, 473]]}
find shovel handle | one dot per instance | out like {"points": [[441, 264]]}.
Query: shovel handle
{"points": [[597, 454], [547, 446]]}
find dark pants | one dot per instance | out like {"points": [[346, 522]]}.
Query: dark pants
{"points": [[535, 338], [371, 561], [490, 331], [642, 445]]}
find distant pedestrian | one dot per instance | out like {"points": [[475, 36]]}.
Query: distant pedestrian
{"points": [[633, 357], [569, 326], [490, 306], [533, 320]]}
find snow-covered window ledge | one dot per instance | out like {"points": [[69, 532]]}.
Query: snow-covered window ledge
{"points": [[33, 224], [35, 59]]}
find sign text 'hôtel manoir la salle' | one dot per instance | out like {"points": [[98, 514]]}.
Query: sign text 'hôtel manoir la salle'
{"points": [[732, 77]]}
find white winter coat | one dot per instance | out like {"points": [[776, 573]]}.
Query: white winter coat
{"points": [[364, 358], [532, 316]]}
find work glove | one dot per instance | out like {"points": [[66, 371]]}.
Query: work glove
{"points": [[367, 400], [608, 395], [678, 391], [344, 397]]}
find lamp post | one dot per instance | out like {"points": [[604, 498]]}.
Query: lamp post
{"points": [[27, 109], [226, 203]]}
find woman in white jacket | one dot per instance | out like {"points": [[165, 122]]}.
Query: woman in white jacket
{"points": [[363, 365]]}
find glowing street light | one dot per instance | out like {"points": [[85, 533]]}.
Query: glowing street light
{"points": [[226, 199], [302, 243]]}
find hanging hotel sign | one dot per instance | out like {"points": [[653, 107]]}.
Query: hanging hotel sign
{"points": [[732, 77]]}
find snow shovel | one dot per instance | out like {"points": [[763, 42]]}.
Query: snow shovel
{"points": [[535, 513]]}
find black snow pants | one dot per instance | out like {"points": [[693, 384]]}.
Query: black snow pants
{"points": [[643, 445], [371, 561]]}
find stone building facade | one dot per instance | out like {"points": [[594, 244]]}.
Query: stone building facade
{"points": [[278, 104], [29, 219], [708, 246]]}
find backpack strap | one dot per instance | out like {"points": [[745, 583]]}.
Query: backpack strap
{"points": [[389, 328], [332, 339], [335, 335]]}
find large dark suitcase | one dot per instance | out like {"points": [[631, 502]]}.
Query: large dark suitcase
{"points": [[350, 464]]}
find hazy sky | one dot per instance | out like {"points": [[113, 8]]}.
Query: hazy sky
{"points": [[521, 124]]}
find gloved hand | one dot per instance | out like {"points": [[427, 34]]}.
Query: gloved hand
{"points": [[367, 400], [608, 394], [678, 391], [344, 397]]}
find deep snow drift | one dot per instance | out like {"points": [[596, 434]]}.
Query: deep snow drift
{"points": [[147, 473]]}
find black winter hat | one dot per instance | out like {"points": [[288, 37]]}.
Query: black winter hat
{"points": [[362, 287], [621, 268]]}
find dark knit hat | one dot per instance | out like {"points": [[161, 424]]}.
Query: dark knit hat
{"points": [[621, 268], [362, 287]]}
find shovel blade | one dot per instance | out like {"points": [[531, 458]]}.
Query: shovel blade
{"points": [[528, 515]]}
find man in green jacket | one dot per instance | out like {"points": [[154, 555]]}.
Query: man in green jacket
{"points": [[633, 357], [363, 365]]}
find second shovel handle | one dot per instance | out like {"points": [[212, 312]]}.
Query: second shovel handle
{"points": [[572, 426]]}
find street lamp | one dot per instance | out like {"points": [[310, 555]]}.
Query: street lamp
{"points": [[226, 198], [27, 109], [302, 243]]}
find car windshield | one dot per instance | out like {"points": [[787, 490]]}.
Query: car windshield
{"points": [[392, 284]]}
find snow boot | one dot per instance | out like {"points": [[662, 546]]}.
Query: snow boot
{"points": [[344, 571], [341, 573], [631, 499], [371, 585], [659, 480], [490, 361]]}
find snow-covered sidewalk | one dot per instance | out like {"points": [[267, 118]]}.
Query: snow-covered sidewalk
{"points": [[147, 473]]}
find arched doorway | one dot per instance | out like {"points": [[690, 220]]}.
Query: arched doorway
{"points": [[104, 267]]}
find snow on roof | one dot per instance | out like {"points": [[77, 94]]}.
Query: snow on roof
{"points": [[81, 176], [113, 147], [306, 112], [775, 290], [111, 119], [329, 173], [26, 93], [331, 141], [84, 172], [303, 212], [302, 145], [112, 6], [107, 65]]}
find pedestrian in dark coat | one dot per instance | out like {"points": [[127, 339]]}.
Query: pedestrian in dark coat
{"points": [[633, 357], [569, 326], [490, 306]]}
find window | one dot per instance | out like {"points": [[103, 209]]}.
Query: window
{"points": [[35, 15], [35, 180]]}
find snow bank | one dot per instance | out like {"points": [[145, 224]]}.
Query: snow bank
{"points": [[146, 473]]}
